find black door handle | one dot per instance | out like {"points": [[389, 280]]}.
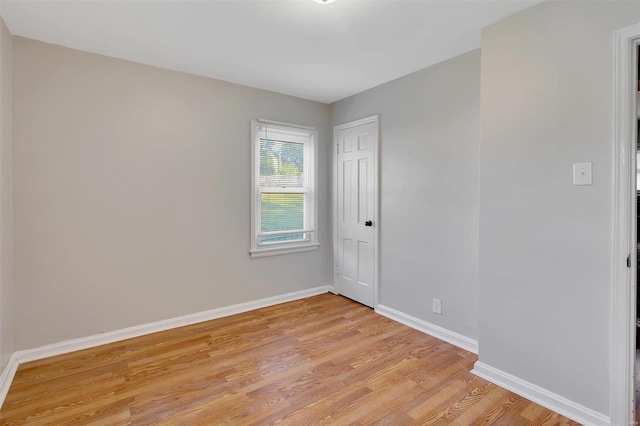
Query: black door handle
{"points": [[368, 223]]}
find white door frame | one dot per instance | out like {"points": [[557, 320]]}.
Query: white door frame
{"points": [[623, 298], [376, 202]]}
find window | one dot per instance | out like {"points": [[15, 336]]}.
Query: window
{"points": [[283, 196]]}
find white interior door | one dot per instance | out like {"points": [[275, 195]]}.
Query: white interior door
{"points": [[356, 215]]}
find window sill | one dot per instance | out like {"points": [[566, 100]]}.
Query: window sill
{"points": [[277, 251]]}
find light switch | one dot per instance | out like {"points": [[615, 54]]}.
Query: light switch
{"points": [[582, 174]]}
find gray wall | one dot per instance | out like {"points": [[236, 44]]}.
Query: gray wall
{"points": [[429, 192], [132, 194], [545, 245], [6, 226]]}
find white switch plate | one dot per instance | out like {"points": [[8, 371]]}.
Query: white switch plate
{"points": [[582, 174], [437, 306]]}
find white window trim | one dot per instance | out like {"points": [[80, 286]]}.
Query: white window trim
{"points": [[267, 250]]}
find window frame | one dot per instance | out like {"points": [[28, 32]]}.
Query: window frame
{"points": [[311, 224]]}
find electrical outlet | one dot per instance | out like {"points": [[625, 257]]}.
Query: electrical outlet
{"points": [[437, 306]]}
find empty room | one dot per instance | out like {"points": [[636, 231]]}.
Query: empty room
{"points": [[303, 212]]}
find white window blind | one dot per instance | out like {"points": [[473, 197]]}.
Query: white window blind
{"points": [[284, 199]]}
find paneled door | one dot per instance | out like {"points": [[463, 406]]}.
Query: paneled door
{"points": [[356, 210]]}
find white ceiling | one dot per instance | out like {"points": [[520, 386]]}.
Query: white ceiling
{"points": [[323, 52]]}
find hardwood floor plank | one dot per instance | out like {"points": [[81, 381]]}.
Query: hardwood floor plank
{"points": [[372, 407], [439, 398], [320, 360], [321, 411], [485, 411]]}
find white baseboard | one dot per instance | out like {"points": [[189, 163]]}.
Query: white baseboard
{"points": [[7, 377], [431, 329], [140, 330], [535, 393]]}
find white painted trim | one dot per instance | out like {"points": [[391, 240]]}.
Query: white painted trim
{"points": [[539, 395], [7, 377], [436, 331], [359, 122], [283, 124], [334, 207], [376, 237], [623, 291], [334, 197], [276, 251], [154, 327]]}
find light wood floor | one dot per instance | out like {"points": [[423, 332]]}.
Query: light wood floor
{"points": [[324, 359]]}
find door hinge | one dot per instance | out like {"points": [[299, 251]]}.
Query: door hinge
{"points": [[337, 148], [629, 261]]}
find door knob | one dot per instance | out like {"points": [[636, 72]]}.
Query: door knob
{"points": [[368, 223]]}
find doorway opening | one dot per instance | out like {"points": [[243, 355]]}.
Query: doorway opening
{"points": [[636, 96], [625, 250]]}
